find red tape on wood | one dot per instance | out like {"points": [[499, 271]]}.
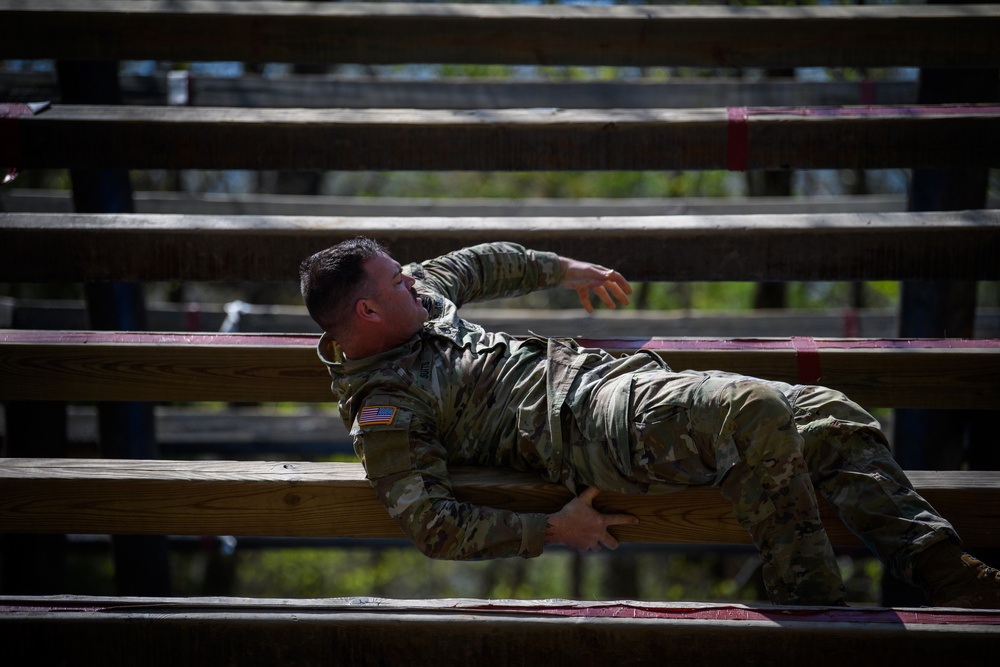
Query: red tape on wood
{"points": [[738, 139], [807, 356], [739, 613]]}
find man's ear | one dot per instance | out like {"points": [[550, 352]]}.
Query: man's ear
{"points": [[367, 310]]}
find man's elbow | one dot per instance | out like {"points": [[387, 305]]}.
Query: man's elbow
{"points": [[437, 545]]}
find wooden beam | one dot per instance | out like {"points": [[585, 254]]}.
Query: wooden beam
{"points": [[960, 245], [100, 366], [306, 499], [366, 632], [631, 36], [322, 91], [503, 139]]}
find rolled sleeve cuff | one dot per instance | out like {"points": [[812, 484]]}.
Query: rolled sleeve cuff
{"points": [[533, 527], [549, 267]]}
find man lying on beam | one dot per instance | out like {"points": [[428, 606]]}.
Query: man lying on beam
{"points": [[423, 389]]}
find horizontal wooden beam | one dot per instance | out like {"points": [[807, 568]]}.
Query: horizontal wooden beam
{"points": [[304, 499], [321, 91], [632, 36], [503, 139], [115, 366], [366, 632], [958, 245]]}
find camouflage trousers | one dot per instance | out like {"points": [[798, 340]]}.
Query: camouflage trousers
{"points": [[770, 447]]}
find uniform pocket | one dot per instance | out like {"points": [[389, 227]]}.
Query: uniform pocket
{"points": [[384, 447]]}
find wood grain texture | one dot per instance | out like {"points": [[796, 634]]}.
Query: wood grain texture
{"points": [[373, 632], [335, 500], [93, 366], [548, 35], [958, 245], [498, 139]]}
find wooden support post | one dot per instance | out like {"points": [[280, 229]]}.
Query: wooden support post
{"points": [[34, 564], [141, 565], [937, 439]]}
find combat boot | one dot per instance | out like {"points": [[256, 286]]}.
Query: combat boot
{"points": [[950, 577]]}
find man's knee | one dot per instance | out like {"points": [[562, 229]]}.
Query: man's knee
{"points": [[757, 409]]}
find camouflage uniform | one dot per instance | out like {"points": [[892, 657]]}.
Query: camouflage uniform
{"points": [[456, 394]]}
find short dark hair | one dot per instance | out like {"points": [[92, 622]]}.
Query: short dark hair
{"points": [[332, 280]]}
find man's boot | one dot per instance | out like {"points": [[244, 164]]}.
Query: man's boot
{"points": [[950, 577]]}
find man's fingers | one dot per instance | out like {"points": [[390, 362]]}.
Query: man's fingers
{"points": [[620, 293], [622, 282], [617, 282], [617, 296], [621, 520], [589, 494], [608, 542], [605, 298]]}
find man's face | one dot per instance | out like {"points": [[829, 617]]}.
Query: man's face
{"points": [[402, 310]]}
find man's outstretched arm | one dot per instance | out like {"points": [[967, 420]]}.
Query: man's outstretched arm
{"points": [[579, 526]]}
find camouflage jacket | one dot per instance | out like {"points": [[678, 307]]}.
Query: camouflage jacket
{"points": [[457, 395]]}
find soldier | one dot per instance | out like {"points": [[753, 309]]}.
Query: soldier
{"points": [[423, 389]]}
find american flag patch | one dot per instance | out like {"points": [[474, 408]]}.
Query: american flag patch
{"points": [[376, 414]]}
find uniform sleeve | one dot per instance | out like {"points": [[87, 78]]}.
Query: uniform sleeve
{"points": [[407, 466], [490, 271]]}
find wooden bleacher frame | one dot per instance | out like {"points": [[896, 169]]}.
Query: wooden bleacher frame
{"points": [[70, 630]]}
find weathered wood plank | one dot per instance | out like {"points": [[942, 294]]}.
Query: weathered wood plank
{"points": [[305, 499], [459, 632], [930, 36], [914, 246], [315, 91], [94, 366], [502, 139]]}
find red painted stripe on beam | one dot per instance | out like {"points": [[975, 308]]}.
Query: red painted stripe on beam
{"points": [[147, 338], [619, 610], [747, 344], [881, 615], [807, 355], [737, 139]]}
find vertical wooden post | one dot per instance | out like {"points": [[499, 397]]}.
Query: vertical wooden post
{"points": [[126, 429], [936, 440], [34, 564], [771, 183]]}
